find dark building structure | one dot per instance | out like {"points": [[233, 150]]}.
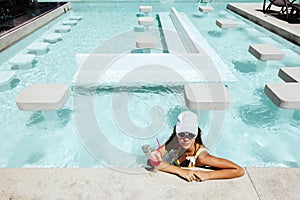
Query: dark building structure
{"points": [[15, 12]]}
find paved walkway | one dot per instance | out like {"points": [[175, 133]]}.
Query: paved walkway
{"points": [[252, 11], [105, 183]]}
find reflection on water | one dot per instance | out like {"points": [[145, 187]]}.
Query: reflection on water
{"points": [[262, 113]]}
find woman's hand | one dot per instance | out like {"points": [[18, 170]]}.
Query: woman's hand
{"points": [[189, 175], [155, 158]]}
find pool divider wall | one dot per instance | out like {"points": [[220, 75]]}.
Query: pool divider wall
{"points": [[31, 26], [186, 37], [192, 38]]}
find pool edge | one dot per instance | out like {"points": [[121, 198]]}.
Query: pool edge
{"points": [[14, 36]]}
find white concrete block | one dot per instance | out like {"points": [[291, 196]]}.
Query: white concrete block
{"points": [[53, 37], [145, 9], [284, 95], [43, 97], [38, 48], [206, 9], [266, 52], [145, 21], [290, 74], [206, 96], [62, 29], [6, 77], [226, 23], [69, 22], [22, 59], [146, 41]]}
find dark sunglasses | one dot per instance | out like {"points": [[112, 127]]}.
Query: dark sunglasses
{"points": [[186, 135]]}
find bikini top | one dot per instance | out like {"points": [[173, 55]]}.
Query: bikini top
{"points": [[190, 161]]}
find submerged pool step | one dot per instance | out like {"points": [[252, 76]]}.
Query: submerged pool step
{"points": [[38, 48], [22, 60], [70, 22], [62, 28], [75, 17], [53, 37], [6, 77]]}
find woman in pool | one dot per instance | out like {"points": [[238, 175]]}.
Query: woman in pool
{"points": [[186, 150]]}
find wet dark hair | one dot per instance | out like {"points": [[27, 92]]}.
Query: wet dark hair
{"points": [[172, 142]]}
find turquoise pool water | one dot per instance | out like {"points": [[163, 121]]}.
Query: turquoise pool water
{"points": [[254, 132]]}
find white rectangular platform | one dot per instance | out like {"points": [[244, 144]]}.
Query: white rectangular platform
{"points": [[145, 9], [266, 52], [226, 23], [290, 74], [284, 95], [154, 68], [43, 97], [145, 21], [206, 96], [146, 41], [205, 9]]}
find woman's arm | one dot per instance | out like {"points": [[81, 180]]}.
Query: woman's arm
{"points": [[169, 168], [187, 174], [226, 168]]}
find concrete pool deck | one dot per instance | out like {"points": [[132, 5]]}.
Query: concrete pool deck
{"points": [[137, 183], [252, 11]]}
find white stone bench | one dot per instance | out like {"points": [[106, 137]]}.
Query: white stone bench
{"points": [[38, 48], [206, 9], [69, 22], [6, 77], [145, 9], [290, 74], [284, 95], [145, 21], [75, 17], [146, 41], [62, 29], [206, 96], [23, 60], [266, 52], [42, 97], [226, 23], [53, 37]]}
